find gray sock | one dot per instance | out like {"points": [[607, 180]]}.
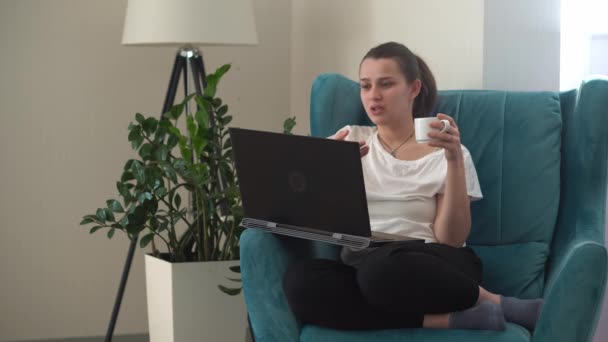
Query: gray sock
{"points": [[485, 316], [524, 312]]}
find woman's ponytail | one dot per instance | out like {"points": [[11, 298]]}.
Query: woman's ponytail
{"points": [[425, 101]]}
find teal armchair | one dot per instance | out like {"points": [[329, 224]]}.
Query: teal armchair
{"points": [[541, 158]]}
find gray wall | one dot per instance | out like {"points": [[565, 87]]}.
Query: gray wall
{"points": [[68, 90], [521, 45]]}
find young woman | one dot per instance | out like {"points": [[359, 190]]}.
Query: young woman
{"points": [[418, 190]]}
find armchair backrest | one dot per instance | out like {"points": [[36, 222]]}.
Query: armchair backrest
{"points": [[517, 142]]}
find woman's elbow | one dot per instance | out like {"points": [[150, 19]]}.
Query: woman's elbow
{"points": [[456, 238]]}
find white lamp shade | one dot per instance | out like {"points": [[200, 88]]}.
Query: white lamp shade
{"points": [[196, 22]]}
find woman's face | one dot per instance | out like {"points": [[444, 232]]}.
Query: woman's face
{"points": [[386, 95]]}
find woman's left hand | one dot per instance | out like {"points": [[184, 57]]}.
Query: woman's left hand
{"points": [[448, 140]]}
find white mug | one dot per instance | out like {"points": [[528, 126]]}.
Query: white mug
{"points": [[423, 127]]}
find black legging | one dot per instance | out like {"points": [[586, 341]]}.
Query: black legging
{"points": [[394, 287]]}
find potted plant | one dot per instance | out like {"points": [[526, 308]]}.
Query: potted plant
{"points": [[192, 244]]}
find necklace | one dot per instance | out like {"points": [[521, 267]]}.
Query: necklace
{"points": [[393, 152]]}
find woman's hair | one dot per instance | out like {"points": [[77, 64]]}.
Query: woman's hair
{"points": [[412, 67]]}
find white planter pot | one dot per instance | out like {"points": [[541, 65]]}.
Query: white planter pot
{"points": [[185, 304]]}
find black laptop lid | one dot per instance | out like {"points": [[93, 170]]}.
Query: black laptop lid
{"points": [[301, 181]]}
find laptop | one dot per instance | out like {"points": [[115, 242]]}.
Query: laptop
{"points": [[305, 187]]}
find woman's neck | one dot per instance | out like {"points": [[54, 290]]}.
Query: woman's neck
{"points": [[394, 135]]}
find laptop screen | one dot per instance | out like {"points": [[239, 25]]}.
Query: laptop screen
{"points": [[301, 181]]}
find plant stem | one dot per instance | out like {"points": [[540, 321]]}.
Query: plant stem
{"points": [[154, 249], [202, 248], [228, 241], [169, 249], [173, 209]]}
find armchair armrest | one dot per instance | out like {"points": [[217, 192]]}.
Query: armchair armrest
{"points": [[574, 292], [264, 260], [576, 271]]}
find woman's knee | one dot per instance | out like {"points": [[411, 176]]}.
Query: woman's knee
{"points": [[310, 284], [304, 279], [295, 278], [384, 280]]}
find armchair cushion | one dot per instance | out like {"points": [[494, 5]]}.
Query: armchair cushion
{"points": [[513, 333], [514, 269]]}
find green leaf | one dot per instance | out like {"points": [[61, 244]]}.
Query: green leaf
{"points": [[172, 141], [222, 110], [86, 221], [227, 143], [127, 176], [178, 200], [128, 164], [123, 190], [150, 125], [161, 153], [154, 223], [199, 144], [186, 152], [221, 71], [217, 102], [175, 131], [226, 120], [134, 229], [179, 164], [135, 144], [135, 134], [145, 240], [191, 125], [237, 211], [115, 206], [151, 206], [101, 215], [188, 98], [144, 196], [140, 118], [211, 88], [176, 111], [124, 221], [153, 175], [163, 226], [138, 217], [161, 191], [145, 151], [94, 229], [229, 291], [202, 117], [139, 172], [109, 215], [111, 232], [161, 132], [170, 171], [288, 125], [232, 192]]}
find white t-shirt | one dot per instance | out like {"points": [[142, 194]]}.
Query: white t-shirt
{"points": [[401, 193]]}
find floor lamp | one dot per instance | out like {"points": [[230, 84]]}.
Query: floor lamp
{"points": [[183, 24]]}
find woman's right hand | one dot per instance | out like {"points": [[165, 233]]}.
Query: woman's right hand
{"points": [[341, 135]]}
